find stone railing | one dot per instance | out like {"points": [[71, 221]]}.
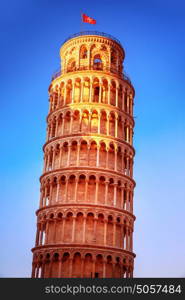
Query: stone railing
{"points": [[59, 72]]}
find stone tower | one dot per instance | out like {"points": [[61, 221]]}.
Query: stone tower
{"points": [[85, 220]]}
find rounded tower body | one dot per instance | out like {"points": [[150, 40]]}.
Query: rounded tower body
{"points": [[85, 220]]}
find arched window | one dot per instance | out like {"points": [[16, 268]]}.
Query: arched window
{"points": [[83, 52], [71, 66], [113, 57], [97, 62], [96, 93]]}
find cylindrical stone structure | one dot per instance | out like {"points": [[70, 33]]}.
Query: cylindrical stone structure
{"points": [[85, 221]]}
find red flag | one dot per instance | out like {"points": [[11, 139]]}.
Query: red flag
{"points": [[87, 19]]}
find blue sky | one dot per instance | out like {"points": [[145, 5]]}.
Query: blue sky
{"points": [[153, 36]]}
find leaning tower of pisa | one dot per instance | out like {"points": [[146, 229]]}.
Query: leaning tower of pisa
{"points": [[85, 219]]}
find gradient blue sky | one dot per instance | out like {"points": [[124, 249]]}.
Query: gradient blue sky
{"points": [[153, 36]]}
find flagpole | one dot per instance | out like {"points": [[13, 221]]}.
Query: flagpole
{"points": [[81, 22]]}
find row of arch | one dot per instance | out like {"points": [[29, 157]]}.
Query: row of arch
{"points": [[90, 121], [86, 189], [51, 213], [91, 90], [88, 153], [78, 228], [81, 264]]}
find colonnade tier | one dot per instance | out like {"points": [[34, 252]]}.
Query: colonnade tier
{"points": [[90, 121], [85, 227], [88, 154], [81, 263], [91, 90], [87, 188]]}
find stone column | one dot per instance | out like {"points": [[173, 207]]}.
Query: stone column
{"points": [[50, 194], [100, 93], [99, 119], [105, 232], [127, 200], [60, 156], [114, 233], [63, 121], [53, 160], [56, 128], [127, 166], [122, 197], [127, 244], [131, 167], [71, 123], [58, 188], [94, 229], [60, 268], [41, 197], [97, 156], [116, 126], [127, 104], [54, 232], [106, 191], [107, 157], [122, 235], [73, 92], [65, 93], [66, 190], [69, 153], [89, 59], [115, 193], [122, 162], [37, 271], [75, 191], [73, 229], [127, 134], [47, 232], [131, 105], [107, 124], [50, 104], [37, 235], [41, 234], [131, 239], [78, 154], [45, 193], [82, 267], [70, 267], [84, 227], [115, 159], [51, 130], [96, 191], [81, 91], [116, 96], [93, 268], [131, 202], [91, 90], [113, 269], [63, 227], [46, 162], [104, 268], [127, 272], [109, 86], [86, 188]]}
